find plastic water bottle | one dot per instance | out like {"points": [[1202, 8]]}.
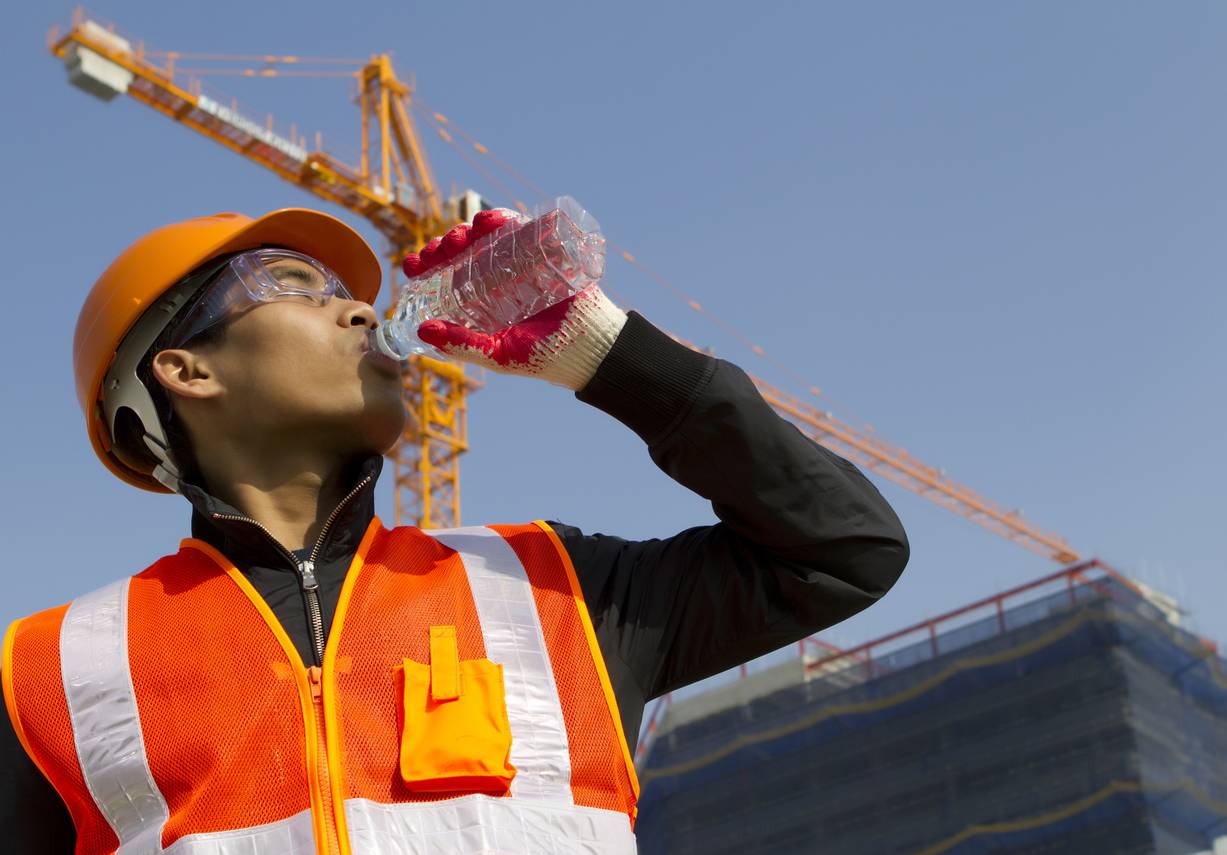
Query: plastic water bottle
{"points": [[524, 266]]}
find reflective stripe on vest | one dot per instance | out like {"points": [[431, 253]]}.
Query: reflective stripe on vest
{"points": [[490, 826], [106, 727], [292, 836], [512, 634]]}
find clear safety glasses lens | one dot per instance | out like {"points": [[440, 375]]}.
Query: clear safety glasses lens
{"points": [[259, 277]]}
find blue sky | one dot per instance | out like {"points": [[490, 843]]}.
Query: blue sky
{"points": [[992, 231]]}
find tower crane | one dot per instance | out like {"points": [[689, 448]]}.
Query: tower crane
{"points": [[392, 186]]}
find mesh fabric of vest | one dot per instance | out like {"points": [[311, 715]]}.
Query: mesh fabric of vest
{"points": [[219, 707]]}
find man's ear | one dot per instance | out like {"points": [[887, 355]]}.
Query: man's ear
{"points": [[187, 374]]}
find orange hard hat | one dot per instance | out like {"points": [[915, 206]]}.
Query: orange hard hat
{"points": [[151, 266]]}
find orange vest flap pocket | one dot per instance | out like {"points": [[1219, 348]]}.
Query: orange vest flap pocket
{"points": [[444, 664], [459, 743]]}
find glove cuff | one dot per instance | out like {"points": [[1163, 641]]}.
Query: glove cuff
{"points": [[590, 328], [648, 381]]}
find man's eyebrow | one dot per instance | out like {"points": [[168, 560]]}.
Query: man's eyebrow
{"points": [[292, 271]]}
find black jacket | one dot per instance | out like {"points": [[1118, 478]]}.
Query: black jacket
{"points": [[804, 541]]}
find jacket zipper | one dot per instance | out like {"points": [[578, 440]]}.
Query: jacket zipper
{"points": [[306, 569], [315, 673]]}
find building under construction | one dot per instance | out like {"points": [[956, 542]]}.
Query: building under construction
{"points": [[1073, 715]]}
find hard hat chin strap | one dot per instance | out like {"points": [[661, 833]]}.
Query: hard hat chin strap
{"points": [[166, 473]]}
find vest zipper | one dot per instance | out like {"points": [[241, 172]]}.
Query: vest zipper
{"points": [[315, 674], [315, 679]]}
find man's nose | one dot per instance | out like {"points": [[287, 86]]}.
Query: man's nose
{"points": [[359, 315]]}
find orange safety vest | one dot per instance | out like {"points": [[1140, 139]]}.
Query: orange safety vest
{"points": [[463, 707]]}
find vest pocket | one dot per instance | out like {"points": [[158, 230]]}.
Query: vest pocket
{"points": [[454, 729]]}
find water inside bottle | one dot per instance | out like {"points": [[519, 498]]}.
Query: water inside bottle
{"points": [[523, 272]]}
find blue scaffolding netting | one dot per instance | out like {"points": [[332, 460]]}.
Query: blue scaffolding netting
{"points": [[1082, 722]]}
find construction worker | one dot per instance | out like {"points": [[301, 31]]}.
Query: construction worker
{"points": [[298, 678]]}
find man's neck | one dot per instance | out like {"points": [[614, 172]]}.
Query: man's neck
{"points": [[291, 495]]}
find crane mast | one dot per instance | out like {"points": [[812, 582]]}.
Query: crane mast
{"points": [[393, 187]]}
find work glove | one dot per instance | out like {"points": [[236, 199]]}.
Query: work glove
{"points": [[563, 344]]}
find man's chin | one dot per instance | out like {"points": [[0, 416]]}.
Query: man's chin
{"points": [[382, 425]]}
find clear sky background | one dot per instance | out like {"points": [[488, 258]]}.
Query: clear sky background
{"points": [[995, 232]]}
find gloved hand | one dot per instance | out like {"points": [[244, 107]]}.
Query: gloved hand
{"points": [[563, 344]]}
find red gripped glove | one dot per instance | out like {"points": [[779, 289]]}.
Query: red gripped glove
{"points": [[458, 240], [563, 344]]}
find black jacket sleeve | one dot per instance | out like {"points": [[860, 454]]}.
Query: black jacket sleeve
{"points": [[33, 818], [804, 540]]}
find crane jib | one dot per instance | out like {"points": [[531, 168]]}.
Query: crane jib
{"points": [[247, 126]]}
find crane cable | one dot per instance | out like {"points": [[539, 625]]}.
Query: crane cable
{"points": [[442, 124]]}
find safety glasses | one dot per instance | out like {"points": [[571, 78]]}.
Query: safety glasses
{"points": [[256, 277]]}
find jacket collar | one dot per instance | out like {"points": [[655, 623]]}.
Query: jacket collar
{"points": [[246, 544]]}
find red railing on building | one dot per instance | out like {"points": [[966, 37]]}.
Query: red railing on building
{"points": [[1093, 574]]}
